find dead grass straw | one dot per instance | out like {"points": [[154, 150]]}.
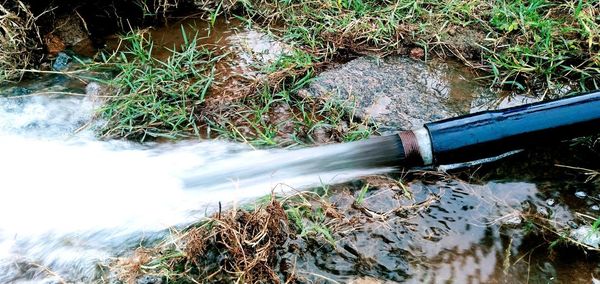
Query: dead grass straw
{"points": [[18, 39], [236, 247]]}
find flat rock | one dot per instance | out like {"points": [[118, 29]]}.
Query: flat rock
{"points": [[396, 92]]}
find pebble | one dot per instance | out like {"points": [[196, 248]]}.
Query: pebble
{"points": [[550, 202], [15, 92], [581, 194], [595, 207], [572, 224], [514, 220], [61, 62]]}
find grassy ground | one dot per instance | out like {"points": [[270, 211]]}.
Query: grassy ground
{"points": [[529, 45], [544, 47], [547, 48], [274, 115], [155, 98], [167, 98], [256, 244]]}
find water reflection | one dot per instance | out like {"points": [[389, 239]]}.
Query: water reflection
{"points": [[486, 230]]}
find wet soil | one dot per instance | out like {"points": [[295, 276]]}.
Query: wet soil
{"points": [[498, 224]]}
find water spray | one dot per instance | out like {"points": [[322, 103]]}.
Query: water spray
{"points": [[491, 133]]}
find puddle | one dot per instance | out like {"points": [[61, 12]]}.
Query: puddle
{"points": [[246, 50], [486, 230]]}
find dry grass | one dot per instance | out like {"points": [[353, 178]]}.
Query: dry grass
{"points": [[236, 247], [18, 39]]}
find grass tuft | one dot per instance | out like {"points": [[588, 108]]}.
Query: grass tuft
{"points": [[235, 247], [276, 115], [156, 98]]}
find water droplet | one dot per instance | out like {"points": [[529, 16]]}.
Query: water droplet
{"points": [[581, 194], [550, 201]]}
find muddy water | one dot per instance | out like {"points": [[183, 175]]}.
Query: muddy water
{"points": [[245, 51]]}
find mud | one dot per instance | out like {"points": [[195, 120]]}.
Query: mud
{"points": [[493, 226]]}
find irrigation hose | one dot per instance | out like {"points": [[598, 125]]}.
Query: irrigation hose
{"points": [[491, 133]]}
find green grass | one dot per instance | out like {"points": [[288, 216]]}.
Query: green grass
{"points": [[362, 194], [538, 46], [156, 98], [277, 116], [165, 99], [307, 214]]}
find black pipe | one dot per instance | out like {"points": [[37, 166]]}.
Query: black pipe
{"points": [[491, 133]]}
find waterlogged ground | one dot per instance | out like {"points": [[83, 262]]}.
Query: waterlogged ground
{"points": [[495, 226], [504, 222]]}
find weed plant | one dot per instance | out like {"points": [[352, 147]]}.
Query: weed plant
{"points": [[156, 98], [19, 40]]}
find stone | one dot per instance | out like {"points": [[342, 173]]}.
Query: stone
{"points": [[381, 201], [15, 92], [417, 53], [396, 92], [71, 30], [54, 44], [581, 194], [61, 62]]}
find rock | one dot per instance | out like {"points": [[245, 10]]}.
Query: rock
{"points": [[71, 30], [581, 194], [417, 53], [54, 44], [61, 62], [381, 201], [396, 92], [14, 92], [365, 280]]}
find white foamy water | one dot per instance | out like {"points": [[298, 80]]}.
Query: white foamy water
{"points": [[69, 203]]}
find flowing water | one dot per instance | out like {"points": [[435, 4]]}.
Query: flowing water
{"points": [[70, 202]]}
